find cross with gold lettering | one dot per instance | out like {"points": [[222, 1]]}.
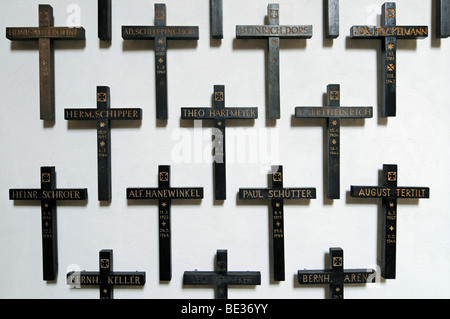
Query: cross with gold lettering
{"points": [[333, 113], [389, 32], [389, 193], [273, 32], [276, 195], [222, 278], [46, 33], [219, 113], [165, 194], [336, 276], [161, 33], [48, 194], [106, 279], [103, 114]]}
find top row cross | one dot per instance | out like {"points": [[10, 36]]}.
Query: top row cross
{"points": [[388, 32]]}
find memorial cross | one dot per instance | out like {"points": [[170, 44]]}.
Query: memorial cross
{"points": [[222, 278], [389, 193], [389, 32], [332, 18], [274, 32], [276, 195], [161, 33], [336, 276], [334, 113], [219, 113], [48, 194], [106, 278], [217, 19], [165, 194], [46, 33], [103, 114], [104, 20], [443, 18]]}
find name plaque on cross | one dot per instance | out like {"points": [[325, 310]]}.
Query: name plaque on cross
{"points": [[336, 277], [106, 279], [273, 32], [48, 194], [103, 114], [219, 113], [46, 33], [160, 33], [389, 193], [276, 195], [165, 194], [334, 113], [389, 32], [221, 278]]}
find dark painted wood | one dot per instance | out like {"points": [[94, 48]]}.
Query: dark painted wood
{"points": [[106, 279], [221, 278], [103, 114], [46, 33], [443, 18], [389, 193], [332, 18], [48, 194], [334, 113], [105, 20], [165, 194], [276, 194], [217, 19]]}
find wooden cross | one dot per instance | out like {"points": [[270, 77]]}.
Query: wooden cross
{"points": [[104, 20], [46, 33], [165, 194], [389, 32], [336, 276], [389, 193], [332, 19], [103, 114], [161, 33], [276, 195], [222, 278], [274, 32], [219, 113], [443, 18], [333, 113], [217, 19], [106, 279], [48, 194]]}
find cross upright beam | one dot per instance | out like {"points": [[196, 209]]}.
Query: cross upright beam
{"points": [[46, 33], [389, 32], [48, 194], [219, 113], [104, 8], [443, 18], [334, 113], [336, 277], [389, 193], [222, 278], [276, 195], [165, 194], [273, 32], [160, 33], [106, 279], [217, 19], [103, 114]]}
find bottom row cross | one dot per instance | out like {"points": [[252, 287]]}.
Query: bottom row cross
{"points": [[335, 277]]}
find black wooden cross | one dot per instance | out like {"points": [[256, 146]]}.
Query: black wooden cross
{"points": [[164, 194], [222, 278], [276, 195], [161, 33], [46, 33], [217, 19], [106, 278], [443, 18], [104, 20], [389, 193], [219, 113], [332, 18], [333, 112], [274, 32], [336, 276], [389, 32], [103, 114], [48, 194]]}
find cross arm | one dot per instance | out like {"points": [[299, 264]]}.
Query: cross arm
{"points": [[169, 193], [382, 191], [329, 112], [318, 277], [399, 32], [92, 278], [56, 194], [277, 193], [34, 33], [151, 32], [243, 278], [203, 113], [109, 114], [266, 31]]}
